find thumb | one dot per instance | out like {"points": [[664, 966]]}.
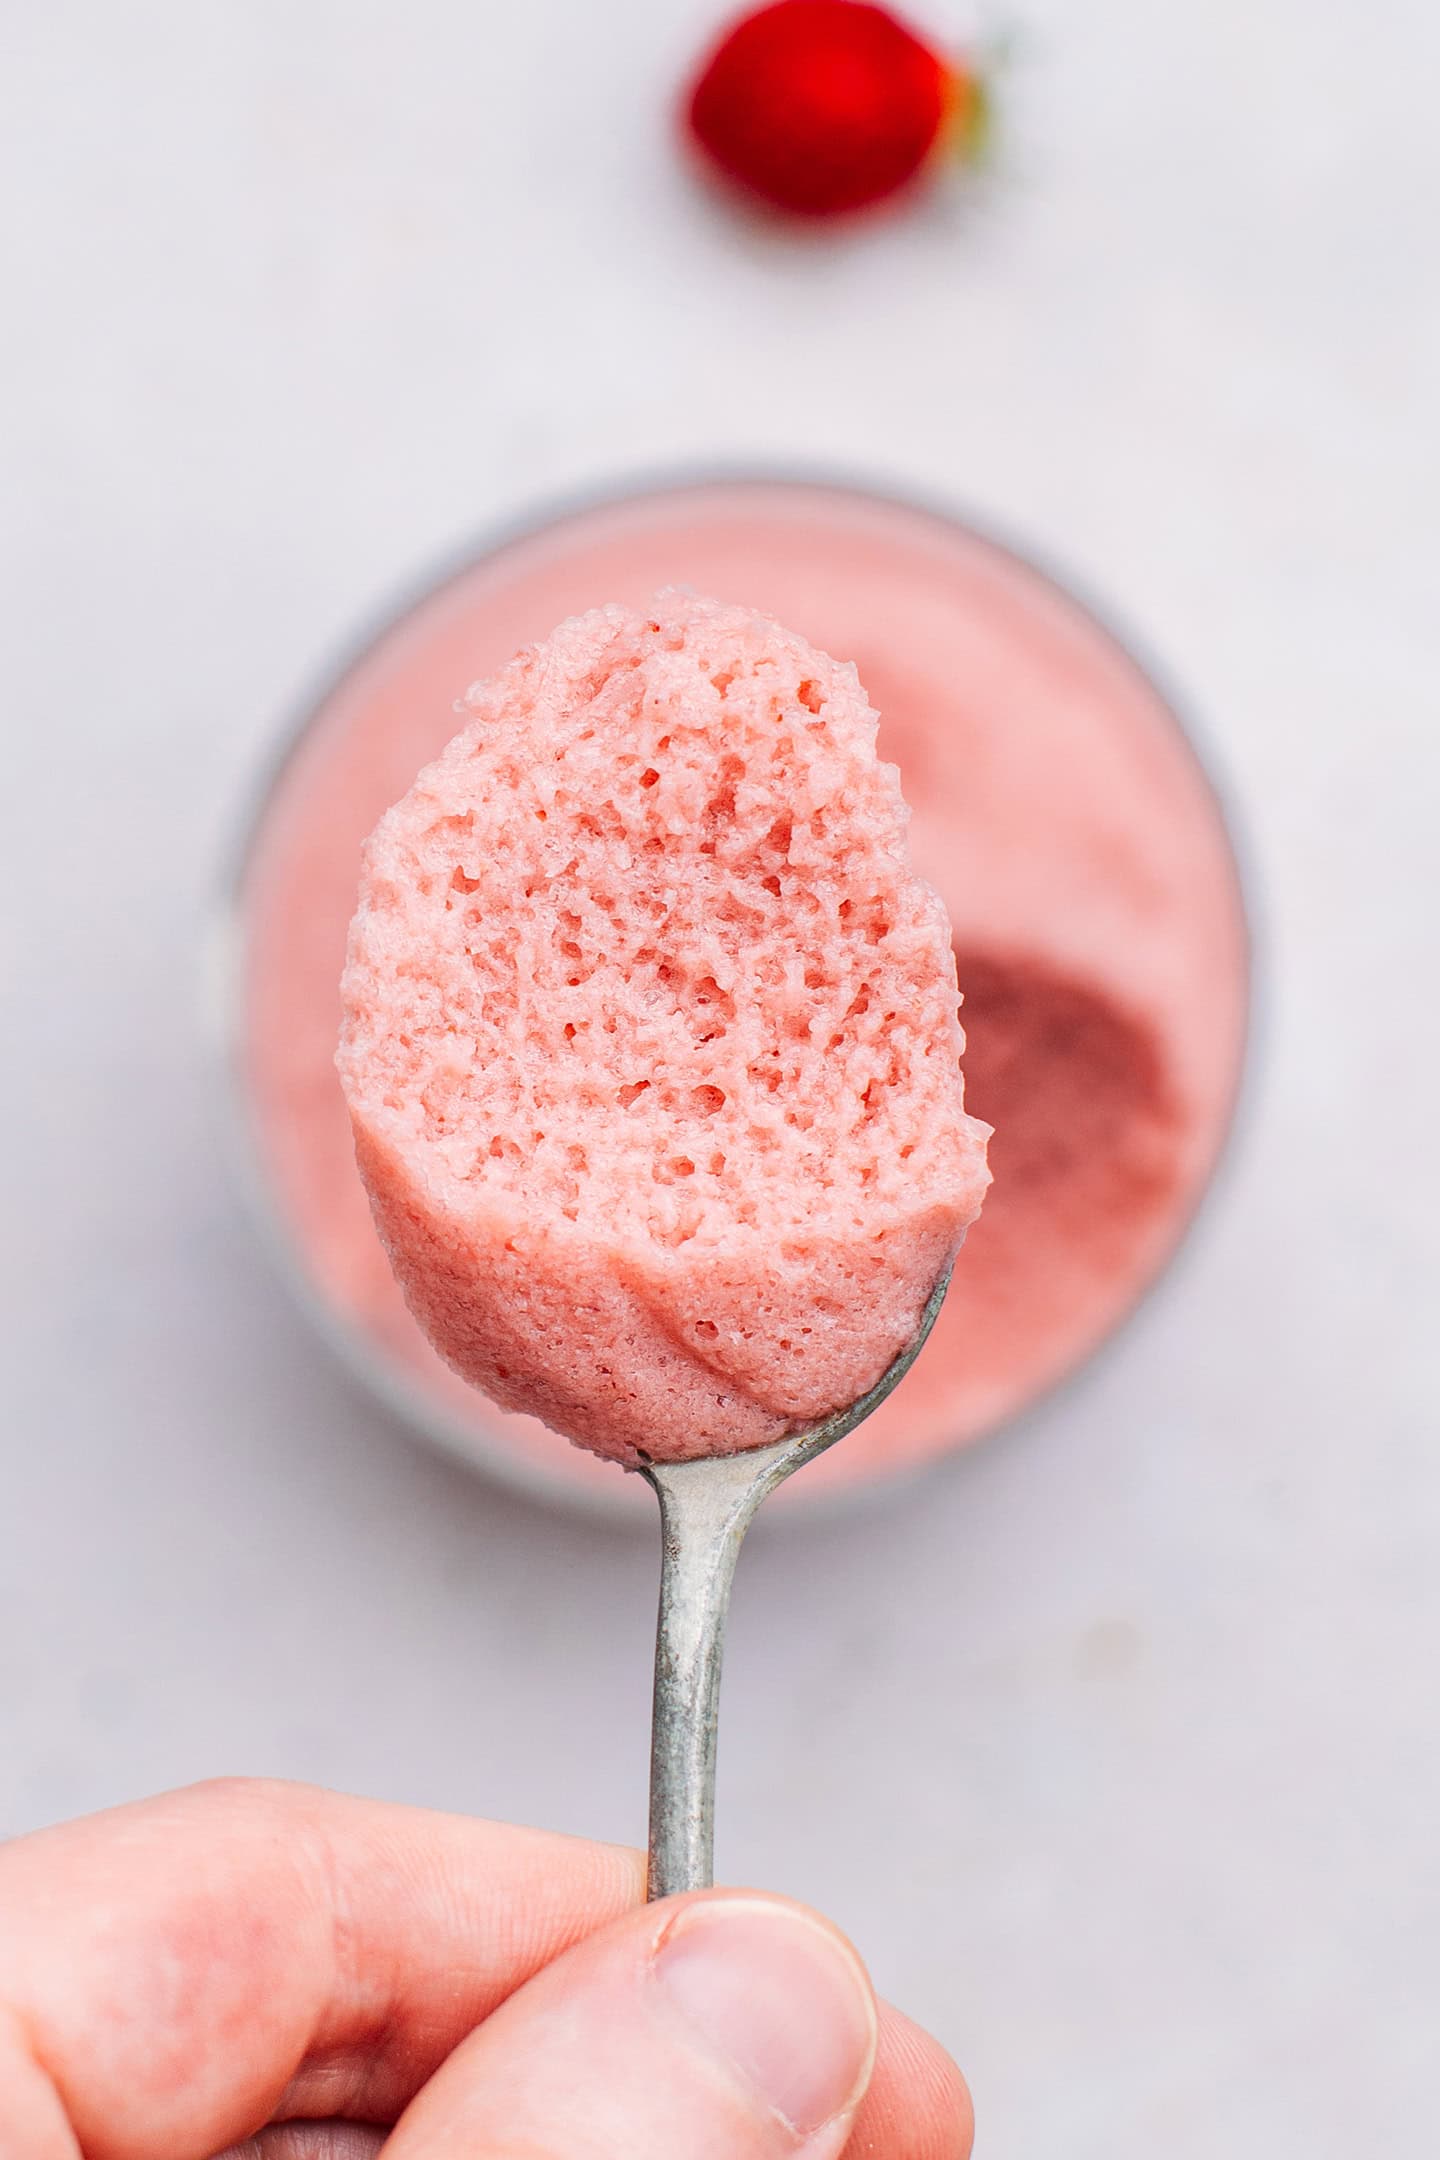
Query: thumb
{"points": [[718, 2027]]}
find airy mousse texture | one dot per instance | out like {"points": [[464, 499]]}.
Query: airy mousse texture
{"points": [[650, 1039]]}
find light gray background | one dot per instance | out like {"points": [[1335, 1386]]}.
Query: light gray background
{"points": [[1114, 1746]]}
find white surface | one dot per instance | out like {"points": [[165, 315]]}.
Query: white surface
{"points": [[1115, 1748]]}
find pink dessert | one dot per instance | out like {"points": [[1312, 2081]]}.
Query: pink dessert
{"points": [[1056, 807], [650, 1039]]}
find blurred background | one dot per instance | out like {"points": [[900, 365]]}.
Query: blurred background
{"points": [[1112, 1743]]}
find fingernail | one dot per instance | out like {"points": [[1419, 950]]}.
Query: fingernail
{"points": [[779, 1999]]}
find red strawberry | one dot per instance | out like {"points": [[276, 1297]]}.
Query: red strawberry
{"points": [[824, 106]]}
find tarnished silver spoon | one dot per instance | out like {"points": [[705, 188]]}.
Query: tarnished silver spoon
{"points": [[706, 1506]]}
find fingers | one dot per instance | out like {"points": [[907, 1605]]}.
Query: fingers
{"points": [[175, 1973], [722, 2027], [917, 2105], [310, 2141]]}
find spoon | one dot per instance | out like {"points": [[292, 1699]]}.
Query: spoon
{"points": [[706, 1506]]}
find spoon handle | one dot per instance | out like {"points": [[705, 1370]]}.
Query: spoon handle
{"points": [[706, 1507]]}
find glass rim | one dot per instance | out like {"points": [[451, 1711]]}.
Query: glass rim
{"points": [[401, 1393]]}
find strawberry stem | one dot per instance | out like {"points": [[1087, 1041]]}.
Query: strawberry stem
{"points": [[968, 128]]}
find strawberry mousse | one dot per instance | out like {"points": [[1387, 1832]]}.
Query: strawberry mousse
{"points": [[1058, 810], [650, 1039]]}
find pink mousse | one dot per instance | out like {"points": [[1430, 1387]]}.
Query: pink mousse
{"points": [[1059, 812], [650, 1039]]}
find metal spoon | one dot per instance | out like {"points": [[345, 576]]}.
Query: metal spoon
{"points": [[706, 1506]]}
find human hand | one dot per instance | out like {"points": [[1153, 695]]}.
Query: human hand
{"points": [[320, 1976]]}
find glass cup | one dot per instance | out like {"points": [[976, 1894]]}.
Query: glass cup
{"points": [[1058, 806]]}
